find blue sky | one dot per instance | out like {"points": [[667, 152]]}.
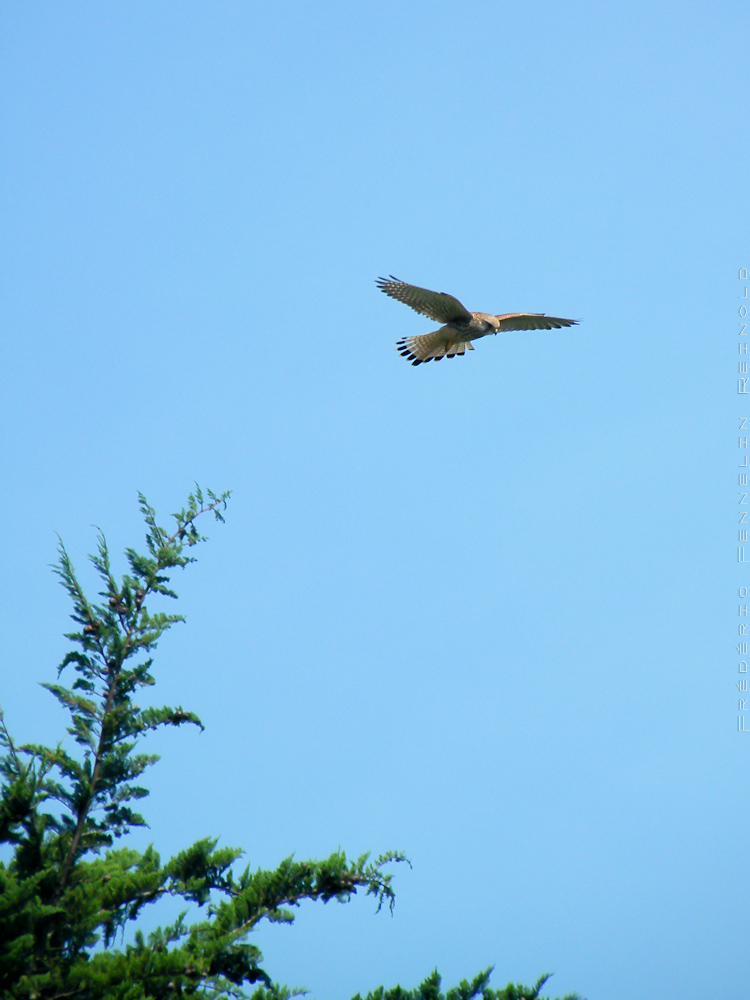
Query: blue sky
{"points": [[483, 612]]}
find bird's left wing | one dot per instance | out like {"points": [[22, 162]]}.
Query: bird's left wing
{"points": [[437, 305], [532, 321]]}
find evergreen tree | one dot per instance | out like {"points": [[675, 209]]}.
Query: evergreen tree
{"points": [[69, 891]]}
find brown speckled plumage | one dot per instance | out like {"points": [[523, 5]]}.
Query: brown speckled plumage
{"points": [[461, 326]]}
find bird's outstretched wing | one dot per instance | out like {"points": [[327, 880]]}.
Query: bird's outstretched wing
{"points": [[437, 305], [430, 347], [532, 321]]}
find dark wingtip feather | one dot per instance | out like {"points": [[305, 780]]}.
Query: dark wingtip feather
{"points": [[405, 351], [382, 282]]}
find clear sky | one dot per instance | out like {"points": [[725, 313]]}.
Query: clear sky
{"points": [[483, 611]]}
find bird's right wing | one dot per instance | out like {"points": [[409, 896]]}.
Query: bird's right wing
{"points": [[430, 347], [532, 321], [437, 305]]}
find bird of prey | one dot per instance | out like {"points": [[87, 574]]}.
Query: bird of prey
{"points": [[461, 326]]}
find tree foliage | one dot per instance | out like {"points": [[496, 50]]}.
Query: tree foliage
{"points": [[70, 890]]}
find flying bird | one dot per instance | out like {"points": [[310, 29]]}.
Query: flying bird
{"points": [[461, 326]]}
